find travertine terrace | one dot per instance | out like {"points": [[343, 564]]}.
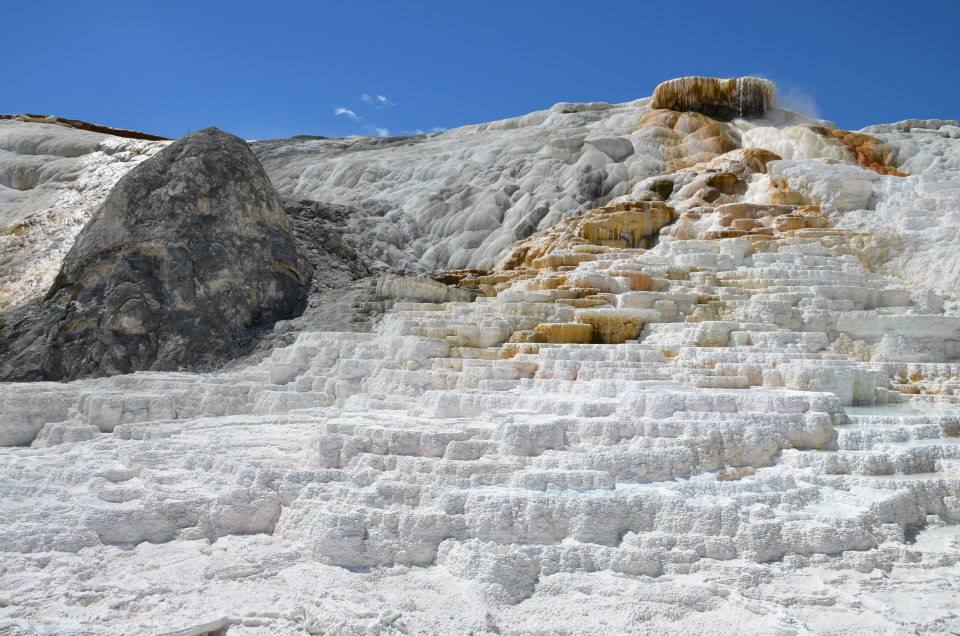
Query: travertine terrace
{"points": [[717, 395]]}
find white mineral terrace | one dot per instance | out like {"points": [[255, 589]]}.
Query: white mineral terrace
{"points": [[750, 426], [428, 478]]}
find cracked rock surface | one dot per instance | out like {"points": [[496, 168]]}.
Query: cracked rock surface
{"points": [[188, 254]]}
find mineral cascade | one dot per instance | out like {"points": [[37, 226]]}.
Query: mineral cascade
{"points": [[689, 364]]}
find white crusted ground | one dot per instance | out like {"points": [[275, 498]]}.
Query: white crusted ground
{"points": [[51, 179], [776, 452]]}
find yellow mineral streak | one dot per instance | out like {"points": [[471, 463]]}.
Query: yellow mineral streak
{"points": [[787, 197], [754, 159], [869, 151], [584, 303], [689, 138], [614, 326], [623, 225], [636, 281], [563, 333]]}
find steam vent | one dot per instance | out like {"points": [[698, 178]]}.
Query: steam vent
{"points": [[723, 99]]}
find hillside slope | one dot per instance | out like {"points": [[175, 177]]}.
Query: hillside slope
{"points": [[460, 198], [718, 391]]}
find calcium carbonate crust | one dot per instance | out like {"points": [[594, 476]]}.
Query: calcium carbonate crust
{"points": [[723, 400]]}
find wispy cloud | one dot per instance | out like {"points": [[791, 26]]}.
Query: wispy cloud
{"points": [[345, 112], [378, 100]]}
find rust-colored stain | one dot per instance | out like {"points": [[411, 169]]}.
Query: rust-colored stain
{"points": [[871, 153]]}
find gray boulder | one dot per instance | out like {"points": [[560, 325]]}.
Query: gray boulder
{"points": [[186, 259]]}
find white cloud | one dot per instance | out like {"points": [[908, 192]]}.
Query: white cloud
{"points": [[378, 100], [346, 112], [382, 132]]}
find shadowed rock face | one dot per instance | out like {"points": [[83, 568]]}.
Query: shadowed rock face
{"points": [[188, 255]]}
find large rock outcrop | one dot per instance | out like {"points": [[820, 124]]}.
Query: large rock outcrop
{"points": [[185, 259]]}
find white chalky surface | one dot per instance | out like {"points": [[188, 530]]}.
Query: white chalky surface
{"points": [[777, 452], [51, 179]]}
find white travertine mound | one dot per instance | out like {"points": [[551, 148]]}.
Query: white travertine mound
{"points": [[462, 197], [916, 218], [724, 402], [51, 179]]}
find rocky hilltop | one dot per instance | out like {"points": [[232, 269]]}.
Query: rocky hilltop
{"points": [[687, 365]]}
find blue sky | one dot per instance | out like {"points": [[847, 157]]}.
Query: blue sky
{"points": [[279, 68]]}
